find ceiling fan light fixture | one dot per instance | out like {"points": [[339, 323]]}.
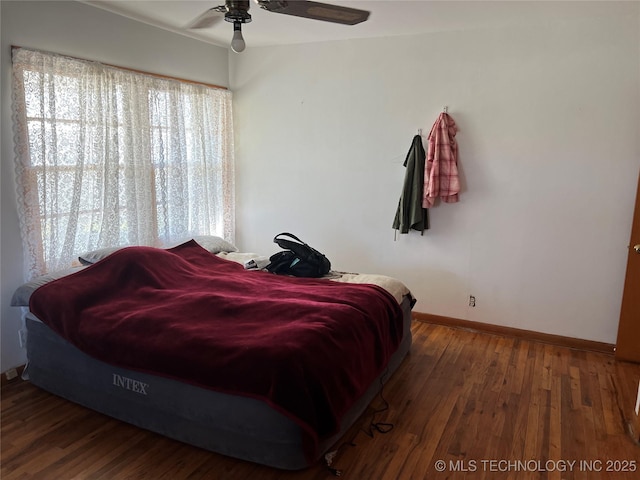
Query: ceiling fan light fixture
{"points": [[237, 42], [237, 11]]}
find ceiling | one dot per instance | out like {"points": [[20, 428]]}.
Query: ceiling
{"points": [[388, 18]]}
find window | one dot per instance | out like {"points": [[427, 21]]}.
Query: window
{"points": [[107, 156]]}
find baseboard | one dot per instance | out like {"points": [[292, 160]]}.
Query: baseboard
{"points": [[557, 340], [18, 375]]}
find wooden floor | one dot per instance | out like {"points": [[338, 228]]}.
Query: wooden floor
{"points": [[473, 405]]}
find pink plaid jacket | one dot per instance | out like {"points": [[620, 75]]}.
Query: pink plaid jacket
{"points": [[441, 172]]}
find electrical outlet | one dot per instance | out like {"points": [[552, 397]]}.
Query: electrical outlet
{"points": [[22, 338], [472, 301], [11, 374]]}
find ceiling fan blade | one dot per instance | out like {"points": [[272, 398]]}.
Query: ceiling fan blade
{"points": [[208, 18], [316, 11]]}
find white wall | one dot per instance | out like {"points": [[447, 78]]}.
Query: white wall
{"points": [[79, 30], [549, 118]]}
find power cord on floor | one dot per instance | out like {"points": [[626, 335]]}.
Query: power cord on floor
{"points": [[380, 427]]}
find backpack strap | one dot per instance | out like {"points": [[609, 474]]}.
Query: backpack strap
{"points": [[288, 244]]}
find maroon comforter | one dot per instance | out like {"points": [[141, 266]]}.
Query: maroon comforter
{"points": [[307, 347]]}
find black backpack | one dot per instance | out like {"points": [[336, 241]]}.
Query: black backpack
{"points": [[299, 260]]}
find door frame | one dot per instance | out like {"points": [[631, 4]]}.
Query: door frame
{"points": [[628, 342]]}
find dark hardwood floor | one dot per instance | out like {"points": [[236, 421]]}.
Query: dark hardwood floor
{"points": [[473, 405]]}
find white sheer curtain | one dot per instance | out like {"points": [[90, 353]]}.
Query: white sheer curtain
{"points": [[107, 156]]}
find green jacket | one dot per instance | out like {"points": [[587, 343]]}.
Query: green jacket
{"points": [[410, 213]]}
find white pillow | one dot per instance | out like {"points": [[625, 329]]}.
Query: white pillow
{"points": [[89, 258], [211, 243], [215, 244]]}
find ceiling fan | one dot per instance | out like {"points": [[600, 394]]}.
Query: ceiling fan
{"points": [[237, 12]]}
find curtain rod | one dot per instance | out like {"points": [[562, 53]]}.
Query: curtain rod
{"points": [[158, 75]]}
